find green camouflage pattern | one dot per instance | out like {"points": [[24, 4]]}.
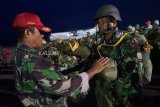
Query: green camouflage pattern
{"points": [[128, 68], [39, 80], [145, 49], [82, 51]]}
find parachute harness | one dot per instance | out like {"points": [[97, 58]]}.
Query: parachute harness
{"points": [[74, 47], [119, 41]]}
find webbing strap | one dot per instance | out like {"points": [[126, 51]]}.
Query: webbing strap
{"points": [[119, 41]]}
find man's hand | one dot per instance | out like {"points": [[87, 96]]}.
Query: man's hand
{"points": [[98, 67]]}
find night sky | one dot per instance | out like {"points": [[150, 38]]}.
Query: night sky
{"points": [[67, 15]]}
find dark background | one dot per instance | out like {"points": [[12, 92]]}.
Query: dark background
{"points": [[66, 15]]}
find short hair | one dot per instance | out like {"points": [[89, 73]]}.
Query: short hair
{"points": [[19, 32]]}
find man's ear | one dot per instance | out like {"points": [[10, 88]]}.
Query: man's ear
{"points": [[27, 33]]}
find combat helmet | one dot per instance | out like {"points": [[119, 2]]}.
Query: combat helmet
{"points": [[129, 27], [156, 22], [108, 10]]}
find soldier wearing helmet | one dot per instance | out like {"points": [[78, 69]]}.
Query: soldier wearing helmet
{"points": [[156, 25], [110, 15], [154, 40], [156, 22], [124, 65], [130, 28], [145, 48]]}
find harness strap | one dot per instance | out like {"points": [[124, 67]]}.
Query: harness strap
{"points": [[119, 41]]}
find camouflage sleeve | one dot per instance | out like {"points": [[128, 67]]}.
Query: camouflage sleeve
{"points": [[133, 56], [51, 80], [36, 73]]}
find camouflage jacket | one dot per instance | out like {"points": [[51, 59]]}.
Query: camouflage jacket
{"points": [[39, 82], [126, 53]]}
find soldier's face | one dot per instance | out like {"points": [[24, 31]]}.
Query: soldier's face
{"points": [[35, 39], [102, 23], [106, 24]]}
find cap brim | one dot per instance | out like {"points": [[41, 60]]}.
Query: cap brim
{"points": [[45, 29]]}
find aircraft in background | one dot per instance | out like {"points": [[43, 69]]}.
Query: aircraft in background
{"points": [[73, 34]]}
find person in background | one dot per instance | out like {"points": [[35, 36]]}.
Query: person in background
{"points": [[145, 48], [148, 27], [156, 25]]}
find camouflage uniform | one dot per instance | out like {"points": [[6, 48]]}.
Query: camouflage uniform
{"points": [[145, 49], [87, 41], [73, 48], [118, 83], [40, 82], [125, 71], [153, 37]]}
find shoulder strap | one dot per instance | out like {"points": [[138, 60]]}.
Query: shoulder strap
{"points": [[119, 41]]}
